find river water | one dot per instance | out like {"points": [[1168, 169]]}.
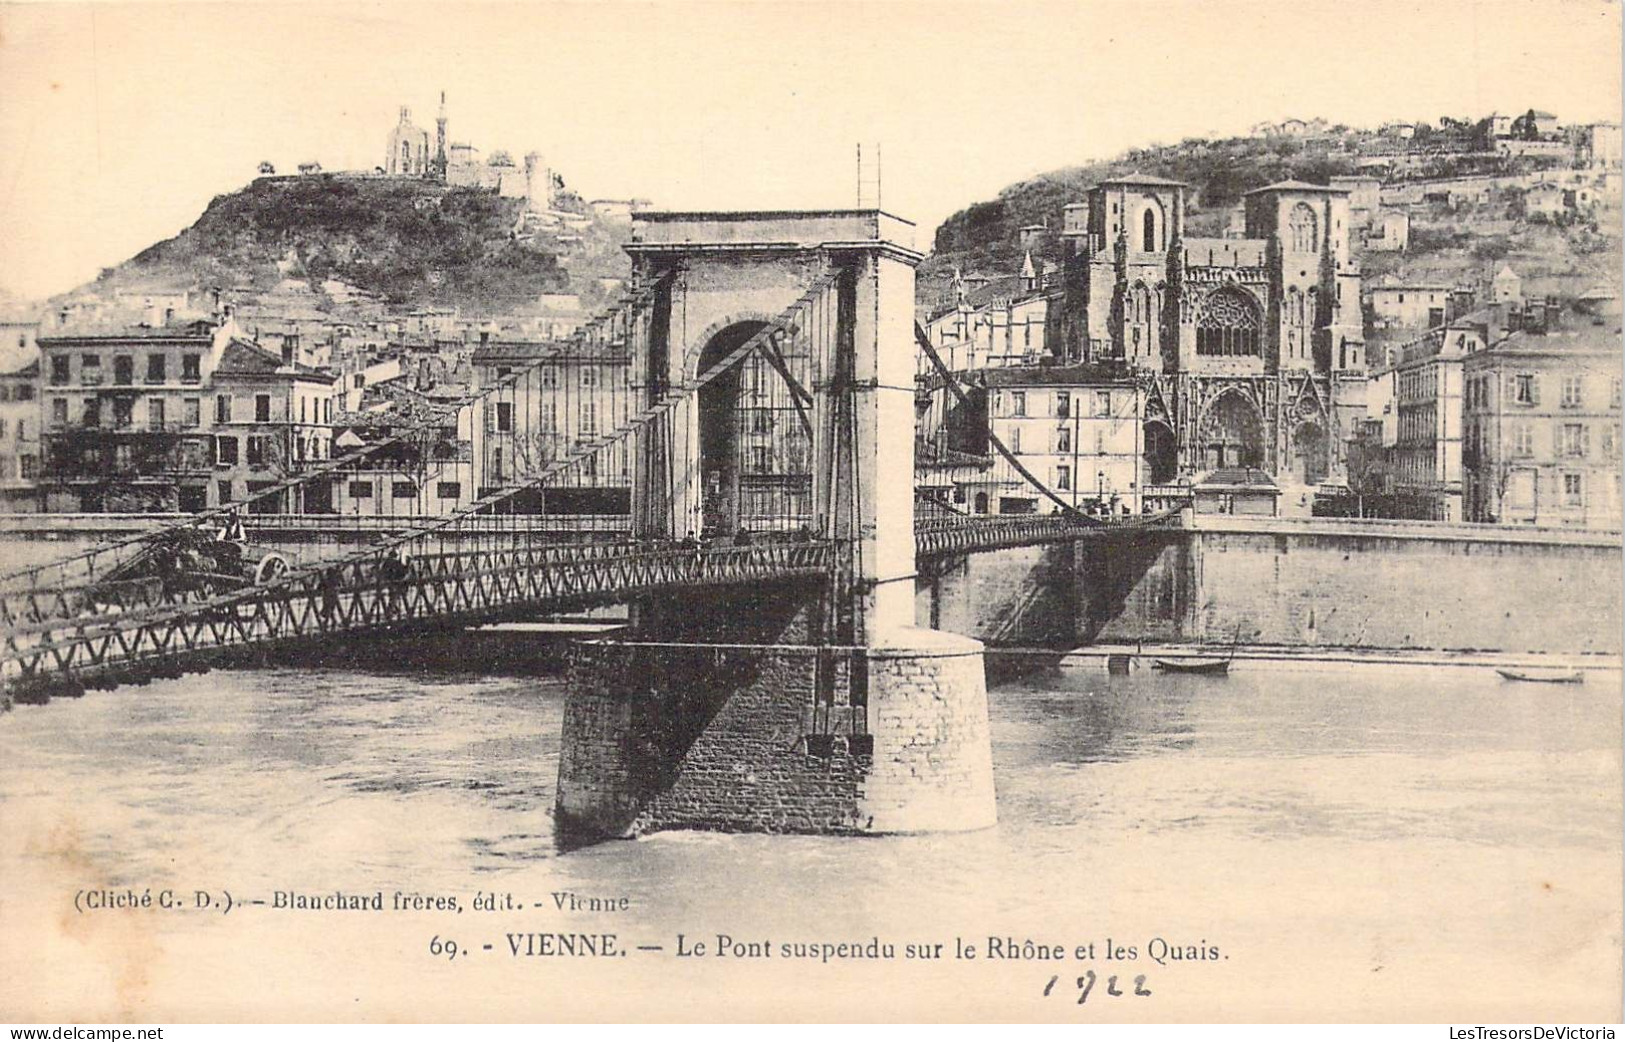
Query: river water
{"points": [[1348, 841]]}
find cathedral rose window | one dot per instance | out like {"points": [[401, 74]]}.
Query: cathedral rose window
{"points": [[1227, 325]]}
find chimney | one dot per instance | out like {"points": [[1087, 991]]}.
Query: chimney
{"points": [[1514, 319], [290, 345], [1554, 313], [1535, 321], [169, 315]]}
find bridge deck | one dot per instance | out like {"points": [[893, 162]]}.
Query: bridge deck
{"points": [[100, 634]]}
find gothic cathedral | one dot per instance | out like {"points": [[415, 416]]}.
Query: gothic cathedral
{"points": [[1250, 350]]}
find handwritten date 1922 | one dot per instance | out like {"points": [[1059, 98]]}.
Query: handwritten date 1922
{"points": [[1086, 984]]}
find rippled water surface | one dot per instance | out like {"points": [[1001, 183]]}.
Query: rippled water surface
{"points": [[1401, 813]]}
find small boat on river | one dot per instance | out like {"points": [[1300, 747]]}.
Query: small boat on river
{"points": [[1537, 675], [1192, 665]]}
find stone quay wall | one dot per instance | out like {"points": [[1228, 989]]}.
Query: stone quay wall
{"points": [[1334, 583]]}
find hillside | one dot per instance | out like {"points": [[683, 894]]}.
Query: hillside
{"points": [[983, 237], [411, 242]]}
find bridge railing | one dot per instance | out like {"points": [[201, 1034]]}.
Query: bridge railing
{"points": [[375, 593]]}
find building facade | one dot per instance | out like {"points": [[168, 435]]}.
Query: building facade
{"points": [[1542, 423], [181, 417], [20, 439], [407, 152], [1427, 448], [1249, 351]]}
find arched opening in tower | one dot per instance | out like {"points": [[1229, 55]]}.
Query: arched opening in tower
{"points": [[755, 451]]}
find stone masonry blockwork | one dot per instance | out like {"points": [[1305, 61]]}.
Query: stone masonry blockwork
{"points": [[775, 738]]}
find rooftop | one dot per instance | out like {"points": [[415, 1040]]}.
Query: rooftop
{"points": [[1143, 179], [1081, 373], [1298, 186]]}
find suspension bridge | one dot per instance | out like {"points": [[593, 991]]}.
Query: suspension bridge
{"points": [[751, 446]]}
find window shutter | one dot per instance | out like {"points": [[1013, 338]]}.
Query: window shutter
{"points": [[1534, 390]]}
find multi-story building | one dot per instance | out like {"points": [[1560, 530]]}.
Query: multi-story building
{"points": [[570, 397], [20, 439], [1426, 455], [1411, 305], [272, 418], [183, 416], [1076, 428], [1002, 323], [1250, 350], [1542, 422]]}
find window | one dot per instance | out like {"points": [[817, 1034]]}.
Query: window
{"points": [[155, 369], [1063, 404], [191, 368], [1573, 389], [155, 414], [504, 417], [59, 412], [256, 451], [448, 490], [222, 408], [589, 417], [28, 465], [225, 450], [403, 490], [550, 376], [1575, 439], [223, 490], [25, 392], [1063, 478], [1301, 226], [123, 369], [302, 400], [1148, 230], [90, 369], [92, 416], [327, 411], [1100, 441], [1103, 403], [761, 459], [1063, 440], [1525, 389], [1227, 325], [192, 412], [1613, 395], [1573, 490], [262, 408], [59, 370], [1018, 403], [589, 377], [1610, 439], [360, 490], [1015, 440]]}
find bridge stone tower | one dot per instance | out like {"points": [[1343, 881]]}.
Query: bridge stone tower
{"points": [[806, 706]]}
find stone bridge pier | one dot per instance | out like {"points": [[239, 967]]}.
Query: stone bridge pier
{"points": [[792, 707]]}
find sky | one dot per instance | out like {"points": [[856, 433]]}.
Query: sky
{"points": [[119, 122]]}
